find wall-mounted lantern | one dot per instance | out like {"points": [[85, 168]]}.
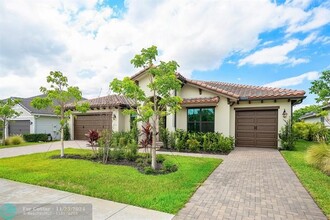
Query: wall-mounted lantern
{"points": [[284, 114]]}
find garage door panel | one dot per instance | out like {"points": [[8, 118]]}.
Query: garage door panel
{"points": [[256, 128], [266, 143], [266, 135], [266, 128], [245, 134], [246, 127], [266, 120], [19, 127], [245, 142], [84, 123], [245, 120], [245, 114]]}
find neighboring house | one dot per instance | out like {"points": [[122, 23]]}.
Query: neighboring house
{"points": [[312, 117], [253, 115], [33, 121]]}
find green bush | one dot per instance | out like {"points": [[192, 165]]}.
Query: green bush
{"points": [[148, 170], [208, 142], [311, 131], [319, 156], [287, 136], [66, 132], [117, 154], [160, 158], [36, 137], [193, 145], [14, 140], [164, 136], [130, 152], [169, 166]]}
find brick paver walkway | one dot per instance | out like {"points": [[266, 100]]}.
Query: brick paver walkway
{"points": [[252, 183]]}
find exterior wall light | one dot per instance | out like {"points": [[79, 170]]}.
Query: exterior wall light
{"points": [[284, 114], [114, 117]]}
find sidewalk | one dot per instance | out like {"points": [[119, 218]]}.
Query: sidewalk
{"points": [[44, 147], [15, 193]]}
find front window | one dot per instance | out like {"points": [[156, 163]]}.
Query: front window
{"points": [[200, 119]]}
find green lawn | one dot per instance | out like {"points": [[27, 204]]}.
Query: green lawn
{"points": [[316, 182], [21, 145], [167, 193]]}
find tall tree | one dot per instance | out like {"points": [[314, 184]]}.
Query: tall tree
{"points": [[7, 112], [321, 88], [163, 82], [307, 109], [57, 96]]}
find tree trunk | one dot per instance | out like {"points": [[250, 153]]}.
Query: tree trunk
{"points": [[62, 142], [4, 132], [153, 149], [62, 130]]}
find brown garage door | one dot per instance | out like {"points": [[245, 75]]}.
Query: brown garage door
{"points": [[256, 128], [83, 123]]}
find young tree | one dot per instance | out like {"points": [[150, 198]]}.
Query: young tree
{"points": [[321, 88], [163, 83], [7, 112], [60, 94]]}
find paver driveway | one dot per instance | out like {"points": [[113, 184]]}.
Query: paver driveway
{"points": [[252, 183]]}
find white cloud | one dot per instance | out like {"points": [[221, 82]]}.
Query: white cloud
{"points": [[316, 18], [88, 42], [293, 81], [274, 55]]}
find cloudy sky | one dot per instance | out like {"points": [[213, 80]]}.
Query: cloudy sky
{"points": [[275, 43]]}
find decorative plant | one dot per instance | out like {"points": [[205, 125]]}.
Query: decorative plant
{"points": [[93, 136], [287, 136], [146, 133]]}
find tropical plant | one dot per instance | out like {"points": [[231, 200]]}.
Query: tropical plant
{"points": [[193, 144], [163, 81], [93, 136], [7, 112], [287, 136], [60, 94]]}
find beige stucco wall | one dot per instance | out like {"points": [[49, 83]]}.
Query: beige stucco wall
{"points": [[222, 109]]}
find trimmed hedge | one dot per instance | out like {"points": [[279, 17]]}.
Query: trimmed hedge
{"points": [[37, 137]]}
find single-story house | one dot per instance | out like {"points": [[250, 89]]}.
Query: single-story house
{"points": [[33, 121], [253, 115], [312, 117]]}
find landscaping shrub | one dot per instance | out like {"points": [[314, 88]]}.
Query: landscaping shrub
{"points": [[287, 136], [311, 131], [169, 166], [212, 142], [160, 158], [14, 140], [318, 155], [193, 145], [36, 137], [164, 136], [66, 132], [130, 151]]}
